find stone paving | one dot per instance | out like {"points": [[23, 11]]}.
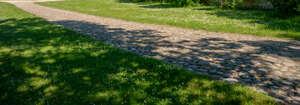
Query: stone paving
{"points": [[269, 65]]}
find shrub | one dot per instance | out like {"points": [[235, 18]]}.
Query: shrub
{"points": [[250, 4], [143, 0], [183, 3], [228, 3], [202, 1], [180, 3], [286, 6], [283, 6]]}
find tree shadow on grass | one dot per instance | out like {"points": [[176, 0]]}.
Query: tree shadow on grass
{"points": [[45, 64], [288, 25], [158, 6], [153, 5], [217, 57]]}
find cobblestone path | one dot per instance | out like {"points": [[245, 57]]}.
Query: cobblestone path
{"points": [[269, 65]]}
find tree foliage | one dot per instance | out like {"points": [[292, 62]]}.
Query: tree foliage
{"points": [[286, 6], [283, 6]]}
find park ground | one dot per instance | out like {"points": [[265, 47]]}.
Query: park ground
{"points": [[255, 22], [42, 63]]}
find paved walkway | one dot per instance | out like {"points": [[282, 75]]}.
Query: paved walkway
{"points": [[270, 65]]}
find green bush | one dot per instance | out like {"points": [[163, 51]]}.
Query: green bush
{"points": [[143, 0], [231, 3], [202, 1], [180, 3], [286, 6], [183, 3], [283, 6], [251, 4]]}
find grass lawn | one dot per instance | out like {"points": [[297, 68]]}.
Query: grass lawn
{"points": [[261, 23], [45, 64]]}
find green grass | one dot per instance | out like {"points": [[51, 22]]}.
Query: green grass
{"points": [[261, 23], [45, 64]]}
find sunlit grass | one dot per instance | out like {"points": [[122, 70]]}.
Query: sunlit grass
{"points": [[262, 23], [45, 64]]}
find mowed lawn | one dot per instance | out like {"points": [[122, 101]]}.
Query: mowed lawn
{"points": [[45, 64], [261, 23]]}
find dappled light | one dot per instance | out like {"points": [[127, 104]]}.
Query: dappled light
{"points": [[265, 19], [254, 63], [110, 61], [212, 18], [46, 64]]}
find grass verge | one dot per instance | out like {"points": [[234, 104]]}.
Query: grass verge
{"points": [[261, 23], [42, 63]]}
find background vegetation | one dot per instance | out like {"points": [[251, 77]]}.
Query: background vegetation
{"points": [[255, 22], [283, 6]]}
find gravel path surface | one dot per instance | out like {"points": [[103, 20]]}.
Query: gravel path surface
{"points": [[269, 65]]}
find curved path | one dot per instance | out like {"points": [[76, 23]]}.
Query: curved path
{"points": [[269, 65]]}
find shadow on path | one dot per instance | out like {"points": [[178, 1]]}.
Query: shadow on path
{"points": [[44, 64], [271, 66]]}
